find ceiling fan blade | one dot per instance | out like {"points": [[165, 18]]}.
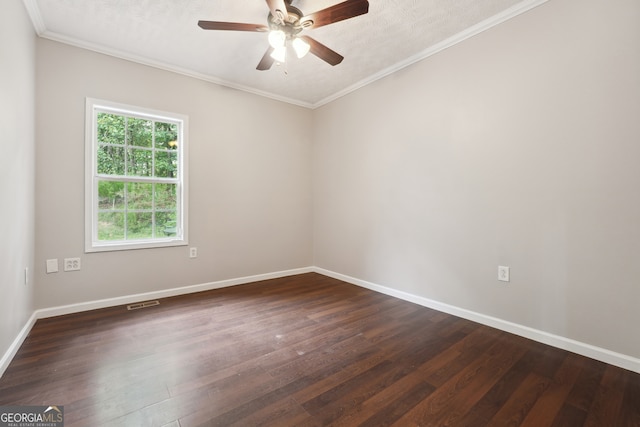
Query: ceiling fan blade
{"points": [[278, 9], [336, 13], [231, 26], [321, 51], [267, 61]]}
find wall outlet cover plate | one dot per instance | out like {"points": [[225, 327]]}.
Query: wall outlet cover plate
{"points": [[52, 266], [503, 273]]}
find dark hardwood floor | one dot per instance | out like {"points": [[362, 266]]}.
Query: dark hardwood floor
{"points": [[306, 350]]}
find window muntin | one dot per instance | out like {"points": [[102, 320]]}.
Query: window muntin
{"points": [[136, 177]]}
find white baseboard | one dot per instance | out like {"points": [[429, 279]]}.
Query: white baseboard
{"points": [[165, 293], [604, 355], [128, 299], [15, 345], [593, 352]]}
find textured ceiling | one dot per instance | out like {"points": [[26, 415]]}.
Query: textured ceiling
{"points": [[164, 33]]}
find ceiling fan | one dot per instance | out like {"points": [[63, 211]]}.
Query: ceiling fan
{"points": [[285, 23]]}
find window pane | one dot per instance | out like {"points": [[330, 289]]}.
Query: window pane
{"points": [[111, 160], [139, 132], [166, 224], [135, 176], [110, 226], [166, 164], [139, 195], [110, 195], [139, 225], [110, 129], [166, 196], [139, 162], [166, 135]]}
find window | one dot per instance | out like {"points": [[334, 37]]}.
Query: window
{"points": [[136, 186]]}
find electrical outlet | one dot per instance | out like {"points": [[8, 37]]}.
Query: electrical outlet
{"points": [[71, 264], [503, 273], [193, 252]]}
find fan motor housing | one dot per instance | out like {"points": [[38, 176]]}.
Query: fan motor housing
{"points": [[291, 26]]}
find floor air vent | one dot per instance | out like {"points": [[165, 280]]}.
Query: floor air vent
{"points": [[140, 305]]}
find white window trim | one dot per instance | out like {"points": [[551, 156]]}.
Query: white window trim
{"points": [[92, 244]]}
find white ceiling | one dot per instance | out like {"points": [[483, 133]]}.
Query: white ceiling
{"points": [[164, 33]]}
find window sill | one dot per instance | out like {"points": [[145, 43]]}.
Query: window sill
{"points": [[126, 246]]}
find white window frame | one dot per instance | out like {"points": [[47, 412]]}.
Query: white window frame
{"points": [[92, 244]]}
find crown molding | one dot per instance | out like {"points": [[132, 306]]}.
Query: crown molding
{"points": [[520, 8], [485, 25], [36, 17], [49, 35]]}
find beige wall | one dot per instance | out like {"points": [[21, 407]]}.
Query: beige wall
{"points": [[250, 185], [517, 147], [17, 96]]}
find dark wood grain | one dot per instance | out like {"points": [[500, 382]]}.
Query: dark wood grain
{"points": [[336, 13], [306, 350], [231, 26], [323, 52]]}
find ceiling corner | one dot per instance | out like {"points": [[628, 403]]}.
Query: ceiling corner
{"points": [[36, 17]]}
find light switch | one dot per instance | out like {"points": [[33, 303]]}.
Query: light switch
{"points": [[52, 266]]}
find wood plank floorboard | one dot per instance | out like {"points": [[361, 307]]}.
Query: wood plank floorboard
{"points": [[306, 350]]}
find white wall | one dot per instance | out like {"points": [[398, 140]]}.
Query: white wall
{"points": [[517, 147], [17, 96], [250, 185]]}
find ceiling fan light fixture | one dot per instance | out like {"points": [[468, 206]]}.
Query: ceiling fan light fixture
{"points": [[301, 47], [277, 38], [284, 24], [279, 54]]}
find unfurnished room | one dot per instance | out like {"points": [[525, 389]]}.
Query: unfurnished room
{"points": [[320, 213]]}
